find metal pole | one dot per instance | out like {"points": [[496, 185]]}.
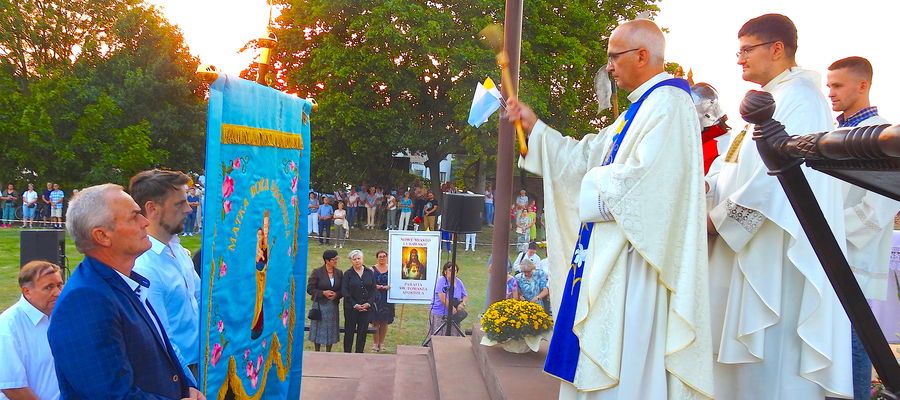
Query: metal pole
{"points": [[450, 312], [512, 43]]}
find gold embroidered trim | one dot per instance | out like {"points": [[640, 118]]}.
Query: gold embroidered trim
{"points": [[233, 383], [239, 134], [735, 149]]}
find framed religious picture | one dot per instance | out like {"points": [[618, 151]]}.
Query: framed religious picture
{"points": [[414, 260]]}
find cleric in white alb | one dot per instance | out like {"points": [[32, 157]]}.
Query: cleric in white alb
{"points": [[781, 331], [640, 318]]}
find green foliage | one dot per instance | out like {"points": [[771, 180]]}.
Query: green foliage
{"points": [[398, 75], [95, 92]]}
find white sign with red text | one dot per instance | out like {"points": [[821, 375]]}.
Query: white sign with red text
{"points": [[414, 258]]}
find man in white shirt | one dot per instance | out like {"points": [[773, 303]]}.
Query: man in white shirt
{"points": [[26, 368], [175, 286], [771, 301], [869, 216]]}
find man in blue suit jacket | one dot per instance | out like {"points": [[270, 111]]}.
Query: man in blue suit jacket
{"points": [[106, 339]]}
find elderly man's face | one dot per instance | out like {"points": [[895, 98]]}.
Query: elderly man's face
{"points": [[129, 233], [44, 291], [623, 60]]}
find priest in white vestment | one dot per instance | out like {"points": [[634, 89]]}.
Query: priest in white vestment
{"points": [[779, 328], [641, 319]]}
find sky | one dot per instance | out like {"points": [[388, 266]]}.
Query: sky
{"points": [[702, 35]]}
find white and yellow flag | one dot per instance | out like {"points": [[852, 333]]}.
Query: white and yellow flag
{"points": [[486, 101]]}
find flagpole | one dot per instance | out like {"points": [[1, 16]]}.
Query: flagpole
{"points": [[512, 44]]}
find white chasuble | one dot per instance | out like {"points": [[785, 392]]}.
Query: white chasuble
{"points": [[780, 330], [870, 226], [642, 315]]}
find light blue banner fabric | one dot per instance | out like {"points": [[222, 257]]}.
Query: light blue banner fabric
{"points": [[254, 242]]}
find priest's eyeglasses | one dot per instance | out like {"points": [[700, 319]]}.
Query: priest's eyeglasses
{"points": [[743, 53], [613, 56]]}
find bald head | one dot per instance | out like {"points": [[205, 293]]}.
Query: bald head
{"points": [[644, 33], [636, 53]]}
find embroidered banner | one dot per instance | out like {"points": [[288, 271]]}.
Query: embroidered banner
{"points": [[254, 242]]}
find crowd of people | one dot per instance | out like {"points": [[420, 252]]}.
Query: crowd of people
{"points": [[335, 215], [109, 297], [363, 290], [28, 209], [110, 333], [374, 207]]}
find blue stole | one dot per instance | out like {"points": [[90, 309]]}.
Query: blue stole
{"points": [[564, 350]]}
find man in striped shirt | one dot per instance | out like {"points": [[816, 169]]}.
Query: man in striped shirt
{"points": [[56, 206]]}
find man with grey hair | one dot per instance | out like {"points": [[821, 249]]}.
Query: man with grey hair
{"points": [[106, 339], [633, 311], [27, 369]]}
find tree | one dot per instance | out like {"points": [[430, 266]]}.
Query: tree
{"points": [[398, 75], [40, 36], [115, 96]]}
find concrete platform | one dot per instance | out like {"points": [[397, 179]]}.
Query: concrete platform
{"points": [[456, 369], [347, 376], [413, 376], [453, 368]]}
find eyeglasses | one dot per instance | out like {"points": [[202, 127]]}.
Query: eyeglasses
{"points": [[613, 56], [746, 50]]}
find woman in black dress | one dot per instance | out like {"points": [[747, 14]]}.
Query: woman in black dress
{"points": [[384, 311], [358, 289], [324, 285]]}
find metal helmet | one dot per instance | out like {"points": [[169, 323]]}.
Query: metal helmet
{"points": [[706, 99]]}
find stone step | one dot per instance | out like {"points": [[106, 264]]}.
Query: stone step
{"points": [[413, 378], [514, 376], [456, 370], [404, 349], [347, 376]]}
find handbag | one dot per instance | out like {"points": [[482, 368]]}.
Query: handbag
{"points": [[315, 314]]}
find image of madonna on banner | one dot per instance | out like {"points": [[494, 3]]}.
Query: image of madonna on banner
{"points": [[417, 254], [254, 242]]}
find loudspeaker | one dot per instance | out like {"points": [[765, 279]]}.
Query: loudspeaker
{"points": [[462, 212], [42, 244]]}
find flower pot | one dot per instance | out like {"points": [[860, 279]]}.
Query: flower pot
{"points": [[524, 345]]}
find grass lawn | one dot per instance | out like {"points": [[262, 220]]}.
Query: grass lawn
{"points": [[410, 322]]}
